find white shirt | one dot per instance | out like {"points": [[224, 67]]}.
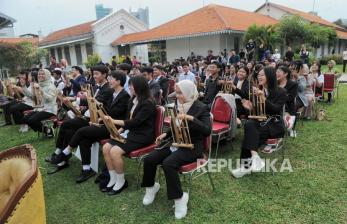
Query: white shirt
{"points": [[126, 85], [344, 55], [190, 76]]}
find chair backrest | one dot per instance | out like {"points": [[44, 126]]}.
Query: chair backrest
{"points": [[171, 88], [159, 121], [207, 141], [221, 110], [329, 81]]}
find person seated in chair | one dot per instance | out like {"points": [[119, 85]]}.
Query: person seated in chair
{"points": [[257, 132], [154, 86], [102, 93], [172, 158], [116, 107], [48, 106], [138, 130]]}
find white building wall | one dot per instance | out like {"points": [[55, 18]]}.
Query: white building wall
{"points": [[273, 12], [112, 27], [73, 55], [84, 52], [199, 45], [140, 51]]}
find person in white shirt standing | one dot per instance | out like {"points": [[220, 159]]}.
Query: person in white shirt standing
{"points": [[187, 74], [344, 56], [276, 56]]}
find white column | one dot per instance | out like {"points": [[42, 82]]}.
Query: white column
{"points": [[73, 55], [84, 52]]}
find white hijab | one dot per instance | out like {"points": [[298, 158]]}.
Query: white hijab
{"points": [[189, 92]]}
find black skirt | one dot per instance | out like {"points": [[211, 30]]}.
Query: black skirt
{"points": [[128, 146]]}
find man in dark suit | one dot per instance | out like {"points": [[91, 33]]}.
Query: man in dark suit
{"points": [[163, 82], [116, 107], [154, 86], [102, 93], [78, 80]]}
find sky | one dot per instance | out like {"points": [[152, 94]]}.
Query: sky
{"points": [[50, 15]]}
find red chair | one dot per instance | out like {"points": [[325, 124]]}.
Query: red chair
{"points": [[201, 165], [329, 84], [222, 119], [171, 87]]}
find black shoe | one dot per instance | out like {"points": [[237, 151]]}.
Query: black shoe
{"points": [[85, 175], [113, 192], [51, 158], [58, 168], [106, 189], [61, 158]]}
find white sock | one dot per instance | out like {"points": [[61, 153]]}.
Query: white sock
{"points": [[67, 151], [57, 151], [61, 164], [112, 178], [86, 167], [119, 181]]}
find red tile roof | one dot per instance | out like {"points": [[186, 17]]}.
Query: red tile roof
{"points": [[209, 19], [73, 31], [17, 40]]}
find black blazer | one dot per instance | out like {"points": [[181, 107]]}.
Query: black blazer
{"points": [[292, 92], [200, 127], [274, 107], [117, 108], [155, 90], [244, 91], [104, 95], [142, 123], [164, 85]]}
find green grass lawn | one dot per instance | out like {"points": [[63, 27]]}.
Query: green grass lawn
{"points": [[315, 192]]}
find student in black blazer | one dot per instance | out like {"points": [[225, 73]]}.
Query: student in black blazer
{"points": [[162, 81], [139, 129], [171, 158], [240, 88], [257, 132], [102, 93], [291, 87], [116, 107], [153, 85]]}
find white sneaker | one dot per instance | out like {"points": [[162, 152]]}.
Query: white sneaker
{"points": [[240, 172], [150, 194], [25, 128], [21, 128], [257, 163], [181, 206]]}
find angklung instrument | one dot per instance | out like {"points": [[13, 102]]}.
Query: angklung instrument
{"points": [[93, 110], [68, 104], [257, 111], [37, 96]]}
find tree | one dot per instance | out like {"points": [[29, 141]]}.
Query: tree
{"points": [[265, 35], [92, 60], [20, 56], [292, 29]]}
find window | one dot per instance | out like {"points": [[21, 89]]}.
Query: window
{"points": [[89, 48], [67, 54], [78, 54], [121, 27], [237, 44], [60, 53], [52, 52]]}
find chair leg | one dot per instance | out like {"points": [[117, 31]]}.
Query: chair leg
{"points": [[210, 178], [217, 145], [190, 182], [138, 173]]}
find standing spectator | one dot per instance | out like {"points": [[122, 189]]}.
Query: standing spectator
{"points": [[344, 55], [261, 51], [78, 79], [242, 54], [53, 64], [163, 82], [250, 47], [233, 58], [127, 60], [289, 54], [114, 61], [276, 56], [213, 84], [134, 61], [304, 54], [210, 56]]}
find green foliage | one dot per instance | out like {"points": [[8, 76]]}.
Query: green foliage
{"points": [[20, 56], [292, 29], [154, 59], [92, 60], [265, 35], [336, 57]]}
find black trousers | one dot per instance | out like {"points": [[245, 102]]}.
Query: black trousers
{"points": [[255, 135], [240, 109], [344, 66], [171, 162], [17, 112], [85, 137], [7, 112], [34, 119], [68, 129]]}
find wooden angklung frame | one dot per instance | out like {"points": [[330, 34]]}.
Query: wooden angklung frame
{"points": [[91, 104], [111, 127], [12, 91], [37, 96], [68, 104], [180, 130], [257, 111], [226, 87]]}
